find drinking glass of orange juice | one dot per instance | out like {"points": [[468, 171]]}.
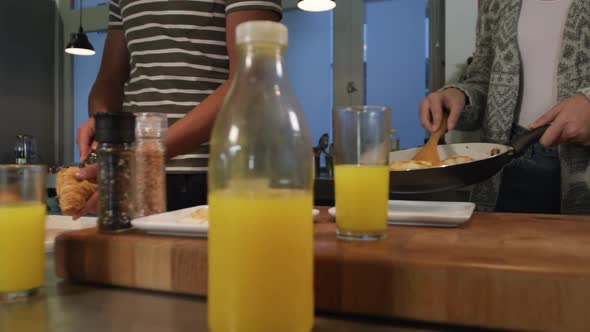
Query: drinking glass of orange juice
{"points": [[361, 172], [22, 230]]}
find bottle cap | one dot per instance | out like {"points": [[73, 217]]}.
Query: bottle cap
{"points": [[150, 125], [261, 31], [115, 127]]}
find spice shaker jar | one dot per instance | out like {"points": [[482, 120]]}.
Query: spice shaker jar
{"points": [[150, 173], [115, 136]]}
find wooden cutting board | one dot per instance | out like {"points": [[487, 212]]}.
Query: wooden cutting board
{"points": [[528, 272]]}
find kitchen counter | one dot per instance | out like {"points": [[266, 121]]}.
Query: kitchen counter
{"points": [[507, 271], [68, 307]]}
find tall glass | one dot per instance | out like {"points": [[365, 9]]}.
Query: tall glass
{"points": [[22, 230], [361, 142]]}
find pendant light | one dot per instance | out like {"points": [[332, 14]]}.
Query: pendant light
{"points": [[79, 44], [316, 5]]}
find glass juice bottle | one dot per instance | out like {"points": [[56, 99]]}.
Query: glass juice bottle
{"points": [[260, 195]]}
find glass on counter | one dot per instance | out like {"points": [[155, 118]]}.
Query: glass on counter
{"points": [[361, 174], [260, 194], [22, 231]]}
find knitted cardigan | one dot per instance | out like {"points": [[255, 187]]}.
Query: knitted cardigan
{"points": [[493, 87]]}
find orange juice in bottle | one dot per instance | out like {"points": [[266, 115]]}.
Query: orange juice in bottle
{"points": [[260, 195]]}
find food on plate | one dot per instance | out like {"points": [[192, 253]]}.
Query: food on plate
{"points": [[418, 164], [456, 160], [198, 217], [408, 165], [494, 152], [71, 193], [200, 214]]}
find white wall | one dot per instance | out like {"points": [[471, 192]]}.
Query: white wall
{"points": [[461, 19], [460, 25]]}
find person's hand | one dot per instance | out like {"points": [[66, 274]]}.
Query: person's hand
{"points": [[432, 106], [85, 138], [87, 173], [570, 122]]}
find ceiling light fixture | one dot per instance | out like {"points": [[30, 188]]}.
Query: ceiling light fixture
{"points": [[316, 5], [79, 44]]}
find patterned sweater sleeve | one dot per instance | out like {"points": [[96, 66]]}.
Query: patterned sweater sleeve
{"points": [[477, 82]]}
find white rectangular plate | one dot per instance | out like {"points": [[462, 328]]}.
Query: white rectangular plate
{"points": [[425, 213], [176, 223], [55, 225]]}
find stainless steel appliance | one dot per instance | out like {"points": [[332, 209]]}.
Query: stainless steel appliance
{"points": [[26, 150]]}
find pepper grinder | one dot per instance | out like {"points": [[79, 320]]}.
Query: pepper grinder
{"points": [[115, 134]]}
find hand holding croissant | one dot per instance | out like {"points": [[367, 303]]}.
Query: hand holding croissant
{"points": [[72, 193]]}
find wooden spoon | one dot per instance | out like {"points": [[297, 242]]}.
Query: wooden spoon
{"points": [[429, 151]]}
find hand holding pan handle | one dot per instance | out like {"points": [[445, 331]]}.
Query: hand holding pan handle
{"points": [[520, 144]]}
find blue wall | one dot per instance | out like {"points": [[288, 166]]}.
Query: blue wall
{"points": [[85, 70], [90, 3], [309, 66], [396, 65]]}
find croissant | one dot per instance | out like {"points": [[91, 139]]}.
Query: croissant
{"points": [[409, 165], [71, 193]]}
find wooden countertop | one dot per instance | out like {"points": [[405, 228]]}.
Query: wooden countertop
{"points": [[69, 307], [512, 271]]}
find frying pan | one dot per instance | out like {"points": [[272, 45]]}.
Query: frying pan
{"points": [[489, 160]]}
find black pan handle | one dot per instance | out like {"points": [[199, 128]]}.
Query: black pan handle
{"points": [[521, 143]]}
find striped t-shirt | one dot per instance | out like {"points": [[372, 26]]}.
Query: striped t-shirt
{"points": [[178, 57]]}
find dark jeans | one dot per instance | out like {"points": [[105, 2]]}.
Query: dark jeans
{"points": [[532, 182], [186, 190]]}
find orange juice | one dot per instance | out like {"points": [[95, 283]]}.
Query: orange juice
{"points": [[361, 198], [22, 249], [260, 261]]}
